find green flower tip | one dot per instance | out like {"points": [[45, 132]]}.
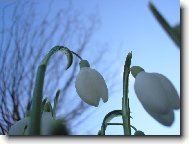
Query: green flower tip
{"points": [[84, 63], [135, 70], [47, 107]]}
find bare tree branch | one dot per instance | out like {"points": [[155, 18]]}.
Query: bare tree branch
{"points": [[24, 42]]}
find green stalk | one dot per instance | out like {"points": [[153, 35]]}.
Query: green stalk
{"points": [[103, 129], [37, 101], [108, 118], [38, 90], [125, 99], [115, 124]]}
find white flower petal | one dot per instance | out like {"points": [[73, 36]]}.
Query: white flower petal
{"points": [[19, 126], [91, 86], [85, 87], [150, 92], [165, 119], [101, 86], [171, 91], [47, 125]]}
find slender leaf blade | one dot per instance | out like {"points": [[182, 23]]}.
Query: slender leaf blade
{"points": [[171, 31]]}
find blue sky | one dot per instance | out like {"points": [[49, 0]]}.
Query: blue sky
{"points": [[128, 25]]}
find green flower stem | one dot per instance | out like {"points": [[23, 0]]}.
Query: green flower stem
{"points": [[114, 124], [134, 128], [104, 126], [103, 129], [38, 90], [125, 99], [108, 118], [76, 55], [37, 101], [56, 49]]}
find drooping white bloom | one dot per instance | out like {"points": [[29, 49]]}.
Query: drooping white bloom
{"points": [[91, 86], [22, 127], [157, 95]]}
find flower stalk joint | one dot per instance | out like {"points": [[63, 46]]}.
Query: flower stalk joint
{"points": [[84, 63]]}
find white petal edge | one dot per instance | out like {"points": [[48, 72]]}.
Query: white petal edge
{"points": [[91, 86], [172, 94], [18, 127], [101, 86], [47, 125], [166, 119]]}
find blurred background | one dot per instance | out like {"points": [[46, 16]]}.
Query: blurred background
{"points": [[103, 32]]}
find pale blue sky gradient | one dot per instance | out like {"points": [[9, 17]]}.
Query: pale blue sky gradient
{"points": [[130, 26]]}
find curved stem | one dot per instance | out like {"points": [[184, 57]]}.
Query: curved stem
{"points": [[76, 55], [133, 128], [38, 89], [53, 51], [125, 99], [108, 118]]}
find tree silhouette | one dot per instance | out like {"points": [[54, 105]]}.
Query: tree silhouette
{"points": [[25, 38]]}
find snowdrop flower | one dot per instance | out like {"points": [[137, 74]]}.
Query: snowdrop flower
{"points": [[21, 127], [90, 85], [156, 94]]}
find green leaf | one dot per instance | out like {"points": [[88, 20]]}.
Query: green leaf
{"points": [[37, 101], [176, 28], [174, 32], [128, 60], [55, 103], [125, 99]]}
